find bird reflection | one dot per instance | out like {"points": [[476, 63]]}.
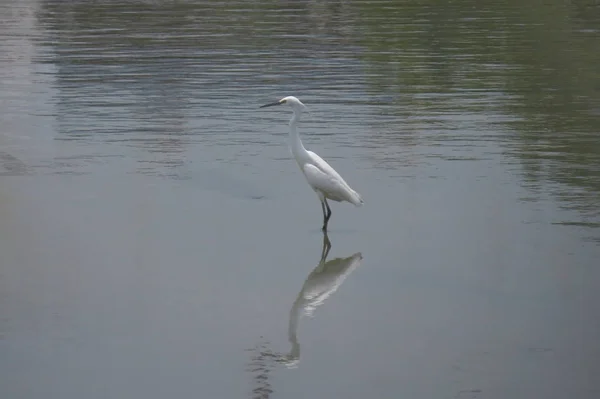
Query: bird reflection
{"points": [[320, 284]]}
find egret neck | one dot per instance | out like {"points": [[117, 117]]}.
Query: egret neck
{"points": [[296, 145]]}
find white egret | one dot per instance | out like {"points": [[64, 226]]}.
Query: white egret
{"points": [[324, 180]]}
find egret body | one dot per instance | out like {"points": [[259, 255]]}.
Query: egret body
{"points": [[324, 180]]}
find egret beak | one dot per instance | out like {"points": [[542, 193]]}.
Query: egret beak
{"points": [[272, 104]]}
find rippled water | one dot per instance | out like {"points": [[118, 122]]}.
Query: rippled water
{"points": [[158, 239]]}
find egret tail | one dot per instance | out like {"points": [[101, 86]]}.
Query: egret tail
{"points": [[356, 199]]}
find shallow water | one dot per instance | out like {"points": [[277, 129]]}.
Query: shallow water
{"points": [[157, 238]]}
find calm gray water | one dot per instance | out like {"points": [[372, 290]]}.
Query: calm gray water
{"points": [[158, 240]]}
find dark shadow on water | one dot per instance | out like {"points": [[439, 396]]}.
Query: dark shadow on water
{"points": [[321, 283], [11, 165]]}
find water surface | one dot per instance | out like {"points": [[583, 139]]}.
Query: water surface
{"points": [[157, 238]]}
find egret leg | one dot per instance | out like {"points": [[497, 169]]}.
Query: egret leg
{"points": [[326, 215]]}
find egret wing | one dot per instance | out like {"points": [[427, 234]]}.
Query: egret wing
{"points": [[346, 193], [325, 167], [330, 186]]}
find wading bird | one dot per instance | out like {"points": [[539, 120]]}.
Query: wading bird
{"points": [[323, 179]]}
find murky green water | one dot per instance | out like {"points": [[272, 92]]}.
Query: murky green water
{"points": [[158, 240]]}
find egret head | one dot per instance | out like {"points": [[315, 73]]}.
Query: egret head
{"points": [[289, 100]]}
